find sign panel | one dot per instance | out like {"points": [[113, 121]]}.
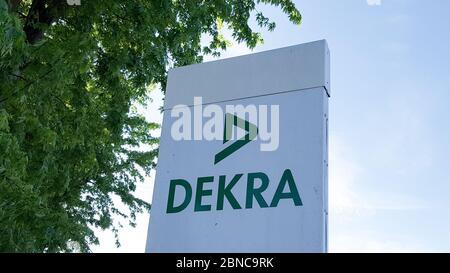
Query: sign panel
{"points": [[243, 155]]}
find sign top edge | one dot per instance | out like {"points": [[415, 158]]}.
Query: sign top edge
{"points": [[323, 41], [273, 71]]}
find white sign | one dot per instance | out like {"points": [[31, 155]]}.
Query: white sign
{"points": [[243, 155]]}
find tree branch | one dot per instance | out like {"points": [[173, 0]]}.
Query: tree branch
{"points": [[20, 77], [42, 12], [28, 84], [14, 5]]}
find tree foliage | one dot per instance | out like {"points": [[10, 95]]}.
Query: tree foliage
{"points": [[69, 77]]}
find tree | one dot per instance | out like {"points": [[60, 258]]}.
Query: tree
{"points": [[69, 78]]}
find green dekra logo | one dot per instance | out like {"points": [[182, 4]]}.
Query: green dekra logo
{"points": [[224, 192], [224, 187], [230, 120]]}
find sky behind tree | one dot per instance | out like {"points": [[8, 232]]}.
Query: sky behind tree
{"points": [[389, 184]]}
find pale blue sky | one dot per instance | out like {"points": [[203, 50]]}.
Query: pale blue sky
{"points": [[389, 135]]}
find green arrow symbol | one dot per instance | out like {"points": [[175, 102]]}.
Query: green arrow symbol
{"points": [[230, 121]]}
